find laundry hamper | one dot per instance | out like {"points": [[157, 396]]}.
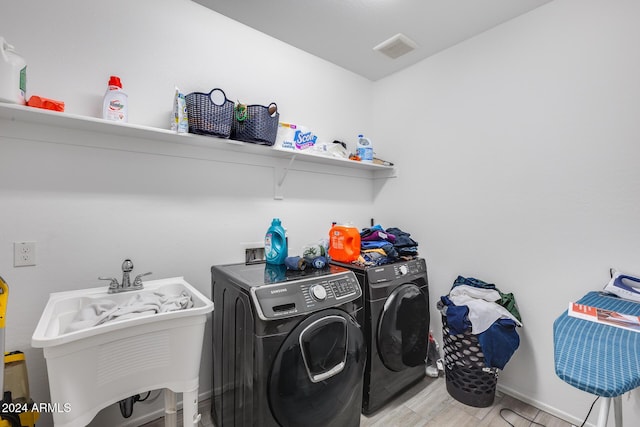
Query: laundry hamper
{"points": [[469, 380]]}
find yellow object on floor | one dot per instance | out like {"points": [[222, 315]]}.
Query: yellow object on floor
{"points": [[18, 411], [27, 419]]}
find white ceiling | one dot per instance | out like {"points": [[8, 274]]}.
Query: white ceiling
{"points": [[345, 32]]}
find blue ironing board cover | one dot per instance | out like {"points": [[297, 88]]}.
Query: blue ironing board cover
{"points": [[600, 359]]}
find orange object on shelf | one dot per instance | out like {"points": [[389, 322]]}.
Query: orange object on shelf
{"points": [[45, 103]]}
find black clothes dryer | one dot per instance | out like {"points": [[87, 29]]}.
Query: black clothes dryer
{"points": [[396, 303], [288, 349]]}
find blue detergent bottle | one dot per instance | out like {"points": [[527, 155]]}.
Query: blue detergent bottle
{"points": [[275, 243]]}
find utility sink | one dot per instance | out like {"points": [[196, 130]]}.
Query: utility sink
{"points": [[62, 308], [92, 367]]}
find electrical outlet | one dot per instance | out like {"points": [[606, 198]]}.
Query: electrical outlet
{"points": [[253, 252], [24, 254], [254, 255]]}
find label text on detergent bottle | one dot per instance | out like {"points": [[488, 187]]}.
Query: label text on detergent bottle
{"points": [[268, 246], [337, 240], [23, 81]]}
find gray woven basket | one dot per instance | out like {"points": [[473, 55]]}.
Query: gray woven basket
{"points": [[208, 118], [259, 127]]}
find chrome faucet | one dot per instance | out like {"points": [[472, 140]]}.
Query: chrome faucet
{"points": [[127, 267], [126, 285]]}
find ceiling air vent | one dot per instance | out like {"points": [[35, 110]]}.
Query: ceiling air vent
{"points": [[396, 46]]}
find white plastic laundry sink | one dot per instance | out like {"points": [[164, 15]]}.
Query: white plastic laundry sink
{"points": [[62, 308], [96, 366]]}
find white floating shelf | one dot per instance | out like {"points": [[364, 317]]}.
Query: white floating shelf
{"points": [[91, 124]]}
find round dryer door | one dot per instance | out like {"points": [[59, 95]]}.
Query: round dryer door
{"points": [[403, 329], [316, 377]]}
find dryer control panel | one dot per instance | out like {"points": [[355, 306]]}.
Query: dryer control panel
{"points": [[288, 299], [388, 272]]}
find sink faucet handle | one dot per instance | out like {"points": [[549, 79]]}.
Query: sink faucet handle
{"points": [[137, 282], [113, 284]]}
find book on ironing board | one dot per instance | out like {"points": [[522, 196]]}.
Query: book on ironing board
{"points": [[604, 316]]}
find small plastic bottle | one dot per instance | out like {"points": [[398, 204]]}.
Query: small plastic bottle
{"points": [[115, 104], [365, 149], [275, 243]]}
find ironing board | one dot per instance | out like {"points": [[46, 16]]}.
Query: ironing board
{"points": [[600, 359]]}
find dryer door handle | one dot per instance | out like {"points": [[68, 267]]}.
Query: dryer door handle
{"points": [[324, 342]]}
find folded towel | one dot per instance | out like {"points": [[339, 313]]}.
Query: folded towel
{"points": [[138, 305]]}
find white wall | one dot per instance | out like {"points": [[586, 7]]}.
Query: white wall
{"points": [[90, 208], [520, 147]]}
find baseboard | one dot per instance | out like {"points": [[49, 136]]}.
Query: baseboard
{"points": [[543, 406]]}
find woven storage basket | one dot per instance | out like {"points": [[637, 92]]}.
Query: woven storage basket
{"points": [[259, 127], [208, 118], [468, 378]]}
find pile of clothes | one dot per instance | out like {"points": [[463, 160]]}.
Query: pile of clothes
{"points": [[379, 246], [476, 307]]}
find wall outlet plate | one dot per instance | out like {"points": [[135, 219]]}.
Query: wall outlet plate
{"points": [[254, 255], [24, 254], [253, 252]]}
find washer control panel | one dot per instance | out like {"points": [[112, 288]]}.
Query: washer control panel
{"points": [[302, 296]]}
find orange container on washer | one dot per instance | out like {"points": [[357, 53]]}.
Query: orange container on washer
{"points": [[344, 243]]}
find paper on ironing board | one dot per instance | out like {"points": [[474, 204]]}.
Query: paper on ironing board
{"points": [[604, 316], [624, 286]]}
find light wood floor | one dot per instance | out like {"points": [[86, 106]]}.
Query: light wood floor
{"points": [[428, 404]]}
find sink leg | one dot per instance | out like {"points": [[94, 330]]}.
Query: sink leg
{"points": [[190, 414], [170, 409]]}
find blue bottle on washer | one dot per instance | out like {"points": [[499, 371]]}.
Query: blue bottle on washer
{"points": [[275, 243]]}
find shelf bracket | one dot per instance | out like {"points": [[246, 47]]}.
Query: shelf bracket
{"points": [[280, 174]]}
